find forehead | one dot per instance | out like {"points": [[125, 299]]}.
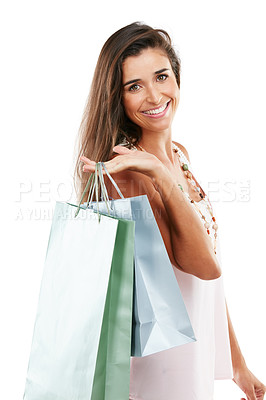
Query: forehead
{"points": [[148, 61]]}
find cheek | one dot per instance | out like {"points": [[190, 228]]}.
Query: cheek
{"points": [[173, 89], [176, 95], [130, 105]]}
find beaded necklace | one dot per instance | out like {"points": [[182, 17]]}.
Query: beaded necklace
{"points": [[184, 166]]}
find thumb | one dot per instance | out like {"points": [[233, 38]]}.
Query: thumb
{"points": [[252, 395], [121, 150]]}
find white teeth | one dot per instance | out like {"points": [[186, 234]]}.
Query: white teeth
{"points": [[157, 111]]}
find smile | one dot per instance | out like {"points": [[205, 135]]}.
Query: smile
{"points": [[157, 111]]}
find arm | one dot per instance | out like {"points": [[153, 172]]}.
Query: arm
{"points": [[238, 361], [192, 247], [187, 243], [243, 377]]}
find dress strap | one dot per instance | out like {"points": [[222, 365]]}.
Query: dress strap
{"points": [[183, 158]]}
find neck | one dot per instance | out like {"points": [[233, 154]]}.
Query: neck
{"points": [[159, 145]]}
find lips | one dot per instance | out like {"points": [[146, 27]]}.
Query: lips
{"points": [[156, 111]]}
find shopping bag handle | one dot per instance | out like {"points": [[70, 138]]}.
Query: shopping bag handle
{"points": [[111, 179], [104, 193], [93, 184]]}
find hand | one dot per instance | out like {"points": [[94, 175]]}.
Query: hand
{"points": [[249, 384], [132, 160]]}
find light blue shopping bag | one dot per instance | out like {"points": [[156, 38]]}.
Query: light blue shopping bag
{"points": [[160, 318]]}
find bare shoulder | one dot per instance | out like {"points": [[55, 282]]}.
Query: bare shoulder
{"points": [[183, 149]]}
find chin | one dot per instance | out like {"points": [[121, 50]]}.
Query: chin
{"points": [[159, 125]]}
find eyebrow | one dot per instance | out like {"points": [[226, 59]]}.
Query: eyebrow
{"points": [[139, 79]]}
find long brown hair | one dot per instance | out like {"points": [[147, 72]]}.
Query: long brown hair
{"points": [[104, 123]]}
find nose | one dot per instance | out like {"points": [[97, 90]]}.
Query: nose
{"points": [[153, 95]]}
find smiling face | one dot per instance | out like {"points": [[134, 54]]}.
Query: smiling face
{"points": [[150, 90]]}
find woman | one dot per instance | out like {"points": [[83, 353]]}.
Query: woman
{"points": [[127, 123]]}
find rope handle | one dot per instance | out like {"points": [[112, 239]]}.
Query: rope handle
{"points": [[93, 183]]}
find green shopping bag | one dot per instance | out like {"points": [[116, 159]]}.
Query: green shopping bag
{"points": [[87, 257], [112, 373]]}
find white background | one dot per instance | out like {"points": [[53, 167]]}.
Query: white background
{"points": [[49, 52]]}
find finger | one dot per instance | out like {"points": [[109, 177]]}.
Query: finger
{"points": [[87, 160], [121, 150], [261, 388], [88, 168], [111, 166], [259, 394], [252, 395]]}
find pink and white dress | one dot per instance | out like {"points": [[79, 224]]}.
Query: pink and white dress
{"points": [[188, 372]]}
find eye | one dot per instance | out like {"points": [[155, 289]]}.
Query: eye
{"points": [[162, 77], [134, 88]]}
